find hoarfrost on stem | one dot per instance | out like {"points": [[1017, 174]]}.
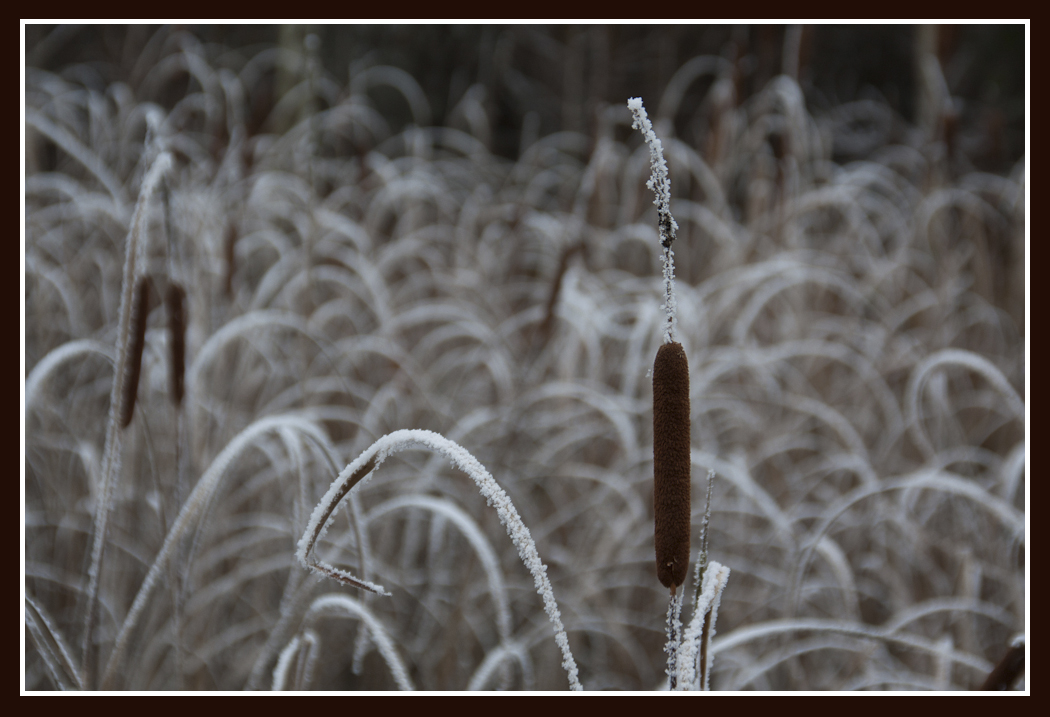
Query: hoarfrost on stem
{"points": [[658, 180], [674, 637], [694, 655], [661, 186]]}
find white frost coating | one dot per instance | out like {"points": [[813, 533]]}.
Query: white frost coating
{"points": [[305, 648], [280, 672], [495, 496], [346, 605], [670, 306], [673, 629], [495, 658], [715, 578], [658, 181], [661, 186]]}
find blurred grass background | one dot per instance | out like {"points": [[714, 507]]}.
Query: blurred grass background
{"points": [[563, 72], [488, 238]]}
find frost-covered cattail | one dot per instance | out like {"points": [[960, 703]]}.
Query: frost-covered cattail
{"points": [[176, 307], [670, 392], [671, 463], [137, 342]]}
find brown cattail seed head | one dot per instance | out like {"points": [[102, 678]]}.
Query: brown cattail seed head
{"points": [[230, 249], [176, 307], [137, 342], [671, 463]]}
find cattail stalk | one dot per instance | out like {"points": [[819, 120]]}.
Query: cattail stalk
{"points": [[134, 266], [702, 557], [671, 459], [674, 638], [175, 304], [174, 300]]}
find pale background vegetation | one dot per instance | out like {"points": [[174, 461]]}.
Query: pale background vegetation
{"points": [[385, 228]]}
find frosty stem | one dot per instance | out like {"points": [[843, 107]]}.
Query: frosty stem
{"points": [[661, 186], [674, 637]]}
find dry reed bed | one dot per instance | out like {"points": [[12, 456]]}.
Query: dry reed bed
{"points": [[853, 384]]}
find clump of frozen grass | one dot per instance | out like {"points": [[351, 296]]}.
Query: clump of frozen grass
{"points": [[193, 511], [364, 466]]}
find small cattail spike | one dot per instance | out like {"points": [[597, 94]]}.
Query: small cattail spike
{"points": [[136, 345], [176, 307]]}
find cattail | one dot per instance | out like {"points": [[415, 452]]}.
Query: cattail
{"points": [[176, 306], [671, 463], [130, 389], [230, 251]]}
